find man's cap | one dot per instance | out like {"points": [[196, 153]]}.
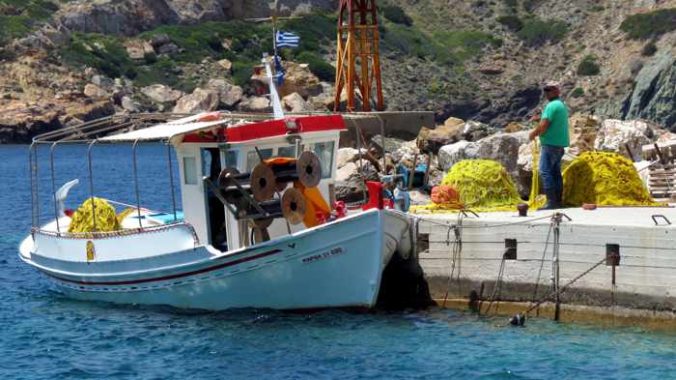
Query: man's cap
{"points": [[550, 85]]}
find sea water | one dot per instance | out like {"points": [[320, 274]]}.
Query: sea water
{"points": [[44, 335]]}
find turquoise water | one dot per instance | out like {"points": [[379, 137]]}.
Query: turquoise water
{"points": [[46, 336]]}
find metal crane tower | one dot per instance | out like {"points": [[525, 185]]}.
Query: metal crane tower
{"points": [[358, 60]]}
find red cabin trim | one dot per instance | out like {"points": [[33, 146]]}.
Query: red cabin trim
{"points": [[268, 128]]}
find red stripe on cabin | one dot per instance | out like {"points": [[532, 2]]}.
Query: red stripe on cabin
{"points": [[269, 128]]}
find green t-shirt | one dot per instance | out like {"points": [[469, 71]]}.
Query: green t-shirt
{"points": [[557, 132]]}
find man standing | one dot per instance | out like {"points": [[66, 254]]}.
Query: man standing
{"points": [[553, 131]]}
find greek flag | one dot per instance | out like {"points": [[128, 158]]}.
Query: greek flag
{"points": [[287, 39]]}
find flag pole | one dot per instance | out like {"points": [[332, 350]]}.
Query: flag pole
{"points": [[274, 29]]}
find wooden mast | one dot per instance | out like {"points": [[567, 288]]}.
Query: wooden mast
{"points": [[358, 60]]}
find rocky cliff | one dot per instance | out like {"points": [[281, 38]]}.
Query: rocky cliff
{"points": [[62, 62]]}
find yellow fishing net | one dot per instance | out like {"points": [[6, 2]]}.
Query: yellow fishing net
{"points": [[106, 220], [483, 185], [604, 178], [535, 199]]}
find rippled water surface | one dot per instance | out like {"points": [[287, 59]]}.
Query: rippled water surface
{"points": [[46, 336]]}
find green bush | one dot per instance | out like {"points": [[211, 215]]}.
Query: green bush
{"points": [[242, 72], [396, 15], [649, 49], [512, 22], [536, 32], [104, 53], [319, 67], [577, 92], [588, 66], [459, 45], [648, 25]]}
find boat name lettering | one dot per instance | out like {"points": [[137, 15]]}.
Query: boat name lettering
{"points": [[324, 255]]}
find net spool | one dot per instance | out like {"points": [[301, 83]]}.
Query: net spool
{"points": [[309, 169], [293, 206], [263, 182]]}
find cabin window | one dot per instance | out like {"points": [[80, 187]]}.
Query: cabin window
{"points": [[287, 151], [211, 163], [189, 171], [230, 158], [253, 160], [324, 150]]}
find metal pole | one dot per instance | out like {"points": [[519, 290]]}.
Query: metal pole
{"points": [[30, 170], [171, 181], [51, 165], [91, 181], [382, 136], [555, 267], [37, 187], [138, 198]]}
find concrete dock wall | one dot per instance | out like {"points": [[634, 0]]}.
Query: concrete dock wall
{"points": [[644, 279]]}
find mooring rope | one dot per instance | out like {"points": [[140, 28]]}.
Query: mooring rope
{"points": [[498, 284], [542, 262], [456, 251], [559, 291]]}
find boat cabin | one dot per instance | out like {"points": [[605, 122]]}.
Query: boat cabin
{"points": [[207, 144]]}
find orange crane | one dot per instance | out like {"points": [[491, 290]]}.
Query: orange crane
{"points": [[358, 60]]}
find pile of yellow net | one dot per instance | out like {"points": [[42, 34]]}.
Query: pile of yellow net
{"points": [[483, 185], [106, 219], [604, 178]]}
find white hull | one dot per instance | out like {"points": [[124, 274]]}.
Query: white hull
{"points": [[338, 264]]}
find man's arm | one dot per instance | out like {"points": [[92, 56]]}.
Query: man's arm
{"points": [[540, 129]]}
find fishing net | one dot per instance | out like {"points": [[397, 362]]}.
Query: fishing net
{"points": [[535, 199], [446, 197], [482, 185], [604, 178], [106, 220]]}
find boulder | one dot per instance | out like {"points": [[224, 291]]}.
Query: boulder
{"points": [[350, 185], [616, 135], [226, 64], [102, 81], [199, 101], [452, 153], [515, 127], [442, 135], [168, 49], [93, 91], [453, 122], [583, 131], [228, 94], [345, 156], [160, 39], [255, 104], [162, 94], [128, 104], [295, 103], [474, 130], [137, 49], [297, 78], [504, 148]]}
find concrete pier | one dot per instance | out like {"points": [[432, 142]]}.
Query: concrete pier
{"points": [[462, 255]]}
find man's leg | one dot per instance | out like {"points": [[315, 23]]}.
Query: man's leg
{"points": [[548, 158]]}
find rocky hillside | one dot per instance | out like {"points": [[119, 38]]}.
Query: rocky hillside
{"points": [[63, 62]]}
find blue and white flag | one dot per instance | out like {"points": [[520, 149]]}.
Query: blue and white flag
{"points": [[287, 39]]}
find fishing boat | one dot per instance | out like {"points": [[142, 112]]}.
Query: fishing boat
{"points": [[259, 225]]}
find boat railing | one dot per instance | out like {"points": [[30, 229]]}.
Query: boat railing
{"points": [[117, 233]]}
